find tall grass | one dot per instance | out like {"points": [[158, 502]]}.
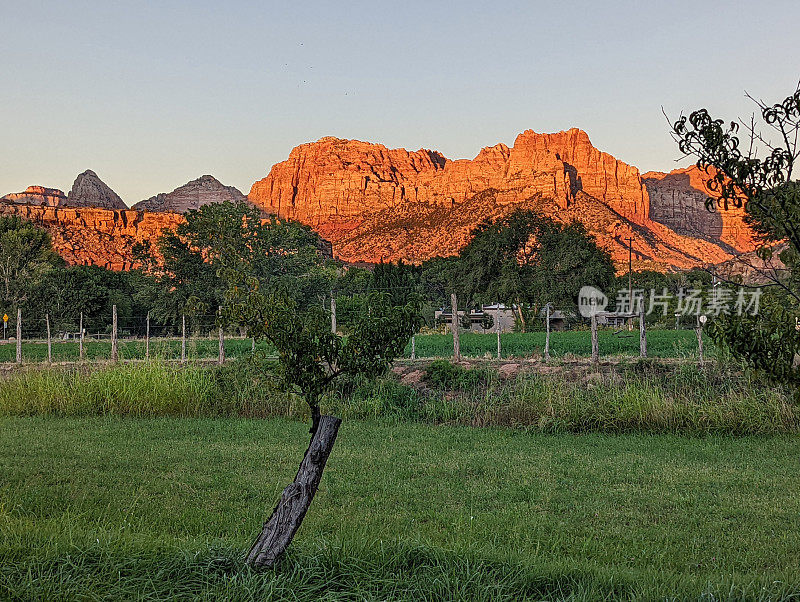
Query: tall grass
{"points": [[146, 389], [638, 396]]}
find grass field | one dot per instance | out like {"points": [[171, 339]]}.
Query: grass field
{"points": [[661, 343], [124, 508]]}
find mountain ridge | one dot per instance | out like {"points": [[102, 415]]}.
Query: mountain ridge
{"points": [[353, 191], [374, 203]]}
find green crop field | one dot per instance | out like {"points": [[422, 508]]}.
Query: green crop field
{"points": [[130, 349], [660, 343], [123, 508]]}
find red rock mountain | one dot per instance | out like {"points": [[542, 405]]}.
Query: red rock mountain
{"points": [[94, 236], [93, 226], [374, 203], [37, 195]]}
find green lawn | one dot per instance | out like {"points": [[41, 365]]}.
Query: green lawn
{"points": [[661, 343], [123, 508]]}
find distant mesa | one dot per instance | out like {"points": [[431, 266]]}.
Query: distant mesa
{"points": [[37, 195], [375, 203], [205, 190]]}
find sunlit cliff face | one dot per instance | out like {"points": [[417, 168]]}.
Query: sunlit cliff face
{"points": [[374, 203]]}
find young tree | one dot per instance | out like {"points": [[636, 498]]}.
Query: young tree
{"points": [[759, 176], [273, 270]]}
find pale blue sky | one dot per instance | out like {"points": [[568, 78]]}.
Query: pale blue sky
{"points": [[153, 94]]}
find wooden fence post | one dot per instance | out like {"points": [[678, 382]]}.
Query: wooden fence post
{"points": [[595, 341], [114, 351], [333, 313], [642, 335], [497, 327], [699, 332], [147, 338], [183, 338], [49, 340], [80, 344], [454, 326], [19, 335], [221, 359], [547, 334]]}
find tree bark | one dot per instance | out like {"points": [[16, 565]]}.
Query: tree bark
{"points": [[280, 528]]}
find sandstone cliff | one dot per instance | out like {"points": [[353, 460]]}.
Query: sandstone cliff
{"points": [[678, 200], [376, 203], [95, 236], [37, 195], [204, 190]]}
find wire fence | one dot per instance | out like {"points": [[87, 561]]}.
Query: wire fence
{"points": [[489, 332]]}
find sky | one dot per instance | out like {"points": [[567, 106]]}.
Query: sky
{"points": [[151, 95]]}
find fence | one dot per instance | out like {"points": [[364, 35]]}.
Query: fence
{"points": [[199, 338]]}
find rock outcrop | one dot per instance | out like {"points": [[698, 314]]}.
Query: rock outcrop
{"points": [[37, 195], [95, 236], [678, 200], [90, 191], [376, 203], [205, 190]]}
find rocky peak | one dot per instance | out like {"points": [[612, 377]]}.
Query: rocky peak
{"points": [[88, 190], [205, 190]]}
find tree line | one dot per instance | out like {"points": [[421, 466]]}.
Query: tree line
{"points": [[522, 260]]}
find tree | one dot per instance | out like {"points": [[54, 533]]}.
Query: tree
{"points": [[272, 269], [400, 280], [283, 255], [26, 256], [66, 293], [524, 258], [759, 177]]}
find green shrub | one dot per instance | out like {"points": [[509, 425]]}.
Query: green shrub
{"points": [[443, 374]]}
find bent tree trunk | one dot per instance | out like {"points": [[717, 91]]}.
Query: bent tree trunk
{"points": [[280, 528]]}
